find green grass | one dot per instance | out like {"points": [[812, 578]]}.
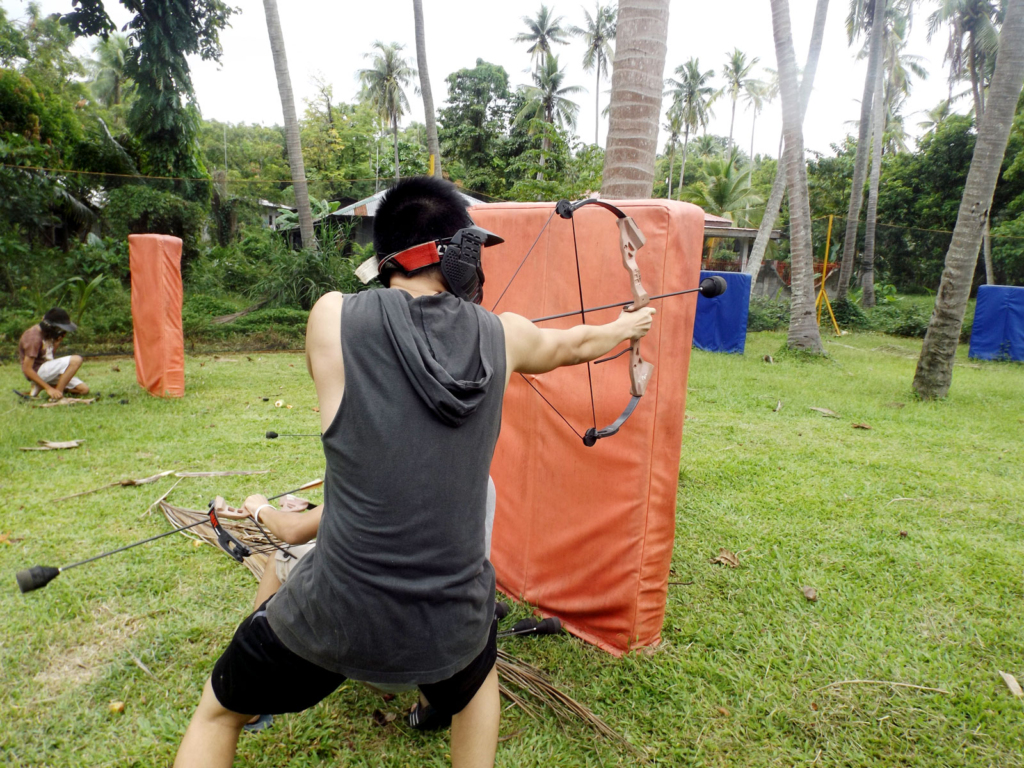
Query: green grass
{"points": [[739, 680]]}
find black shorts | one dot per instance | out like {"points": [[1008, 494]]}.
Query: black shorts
{"points": [[258, 675]]}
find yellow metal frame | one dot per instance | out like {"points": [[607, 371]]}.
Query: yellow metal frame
{"points": [[822, 300]]}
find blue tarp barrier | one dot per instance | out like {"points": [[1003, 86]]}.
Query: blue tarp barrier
{"points": [[998, 331], [721, 322]]}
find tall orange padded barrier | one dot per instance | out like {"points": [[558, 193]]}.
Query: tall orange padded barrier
{"points": [[156, 313], [586, 534]]}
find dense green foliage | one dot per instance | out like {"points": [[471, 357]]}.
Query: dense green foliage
{"points": [[164, 117]]}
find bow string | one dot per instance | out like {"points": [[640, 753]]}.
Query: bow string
{"points": [[631, 240]]}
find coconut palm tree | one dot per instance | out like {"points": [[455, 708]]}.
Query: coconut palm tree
{"points": [[973, 39], [693, 95], [291, 125], [892, 86], [383, 85], [803, 326], [108, 75], [935, 367], [543, 31], [673, 127], [778, 191], [433, 147], [724, 189], [706, 147], [758, 94], [548, 100], [860, 21], [598, 36], [936, 116], [640, 47], [737, 81]]}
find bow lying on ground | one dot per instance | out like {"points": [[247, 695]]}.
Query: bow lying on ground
{"points": [[39, 576], [631, 239]]}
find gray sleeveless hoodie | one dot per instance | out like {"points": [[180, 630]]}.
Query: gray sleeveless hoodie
{"points": [[398, 589]]}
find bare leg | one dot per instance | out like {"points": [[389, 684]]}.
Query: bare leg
{"points": [[212, 736], [73, 365], [475, 729], [269, 584], [81, 389]]}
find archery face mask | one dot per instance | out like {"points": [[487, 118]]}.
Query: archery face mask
{"points": [[458, 255]]}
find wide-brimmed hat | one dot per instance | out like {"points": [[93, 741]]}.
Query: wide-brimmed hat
{"points": [[59, 318]]}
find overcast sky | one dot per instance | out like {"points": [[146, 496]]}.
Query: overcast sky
{"points": [[330, 39]]}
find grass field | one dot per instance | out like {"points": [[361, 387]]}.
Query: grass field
{"points": [[744, 675]]}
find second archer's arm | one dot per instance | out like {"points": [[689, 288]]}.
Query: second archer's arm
{"points": [[289, 527]]}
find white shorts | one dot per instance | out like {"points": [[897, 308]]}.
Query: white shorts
{"points": [[52, 370]]}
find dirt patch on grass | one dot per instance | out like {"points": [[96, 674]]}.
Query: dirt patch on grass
{"points": [[79, 664]]}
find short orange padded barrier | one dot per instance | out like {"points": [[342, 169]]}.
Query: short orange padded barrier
{"points": [[156, 313], [585, 534]]}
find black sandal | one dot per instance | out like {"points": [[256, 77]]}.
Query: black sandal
{"points": [[427, 718]]}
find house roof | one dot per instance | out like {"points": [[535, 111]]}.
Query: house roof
{"points": [[719, 226], [368, 205], [267, 204]]}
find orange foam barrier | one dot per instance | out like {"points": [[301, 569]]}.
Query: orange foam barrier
{"points": [[586, 534], [156, 313]]}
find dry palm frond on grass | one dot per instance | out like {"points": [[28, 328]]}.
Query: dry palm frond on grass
{"points": [[565, 708], [523, 676]]}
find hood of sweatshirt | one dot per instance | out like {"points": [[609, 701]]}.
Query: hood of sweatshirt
{"points": [[440, 343]]}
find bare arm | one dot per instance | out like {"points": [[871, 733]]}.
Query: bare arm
{"points": [[323, 355], [33, 376], [289, 527], [530, 349]]}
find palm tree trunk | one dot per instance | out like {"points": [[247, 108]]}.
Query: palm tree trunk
{"points": [[935, 366], [803, 327], [637, 84], [867, 261], [394, 132], [682, 170], [671, 172], [545, 147], [860, 163], [597, 102], [291, 125], [986, 249], [433, 147], [732, 121], [774, 205], [753, 125], [976, 86]]}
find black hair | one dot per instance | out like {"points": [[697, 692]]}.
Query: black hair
{"points": [[417, 210]]}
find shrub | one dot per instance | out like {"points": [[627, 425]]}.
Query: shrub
{"points": [[276, 318], [137, 210], [207, 306], [849, 313], [223, 270], [898, 319], [767, 314]]}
